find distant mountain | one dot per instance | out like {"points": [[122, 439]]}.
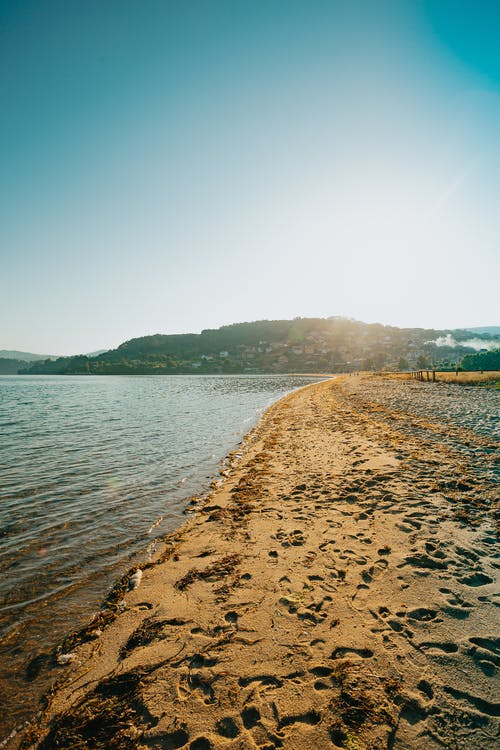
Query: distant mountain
{"points": [[96, 354], [25, 356], [492, 330]]}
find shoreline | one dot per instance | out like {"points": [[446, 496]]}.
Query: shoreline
{"points": [[29, 664], [268, 619]]}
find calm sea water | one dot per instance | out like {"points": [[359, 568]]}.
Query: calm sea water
{"points": [[92, 470]]}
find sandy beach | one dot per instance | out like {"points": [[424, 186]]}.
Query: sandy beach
{"points": [[337, 590]]}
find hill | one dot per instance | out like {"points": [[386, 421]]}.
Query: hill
{"points": [[490, 330], [483, 361], [24, 356], [11, 366], [299, 345]]}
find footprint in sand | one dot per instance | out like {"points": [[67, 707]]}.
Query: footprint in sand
{"points": [[250, 716], [481, 705], [490, 643], [404, 528], [342, 651], [424, 562], [468, 554], [201, 743], [416, 524], [175, 739], [395, 624], [321, 670], [426, 688], [455, 607], [446, 647], [228, 727], [321, 685], [485, 652], [422, 614], [476, 579], [308, 717]]}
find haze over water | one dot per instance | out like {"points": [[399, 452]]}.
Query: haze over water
{"points": [[92, 471]]}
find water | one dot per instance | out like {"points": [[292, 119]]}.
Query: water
{"points": [[92, 470]]}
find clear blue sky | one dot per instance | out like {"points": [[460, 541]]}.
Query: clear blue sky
{"points": [[173, 166]]}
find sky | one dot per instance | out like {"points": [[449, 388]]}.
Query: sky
{"points": [[168, 166]]}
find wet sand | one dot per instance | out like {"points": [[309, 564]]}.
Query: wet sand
{"points": [[337, 591]]}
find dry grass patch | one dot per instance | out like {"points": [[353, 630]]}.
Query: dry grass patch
{"points": [[462, 378]]}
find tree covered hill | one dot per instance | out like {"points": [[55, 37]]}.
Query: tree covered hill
{"points": [[299, 345], [482, 361], [12, 360], [9, 366]]}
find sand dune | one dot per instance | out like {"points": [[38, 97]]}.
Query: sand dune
{"points": [[337, 591]]}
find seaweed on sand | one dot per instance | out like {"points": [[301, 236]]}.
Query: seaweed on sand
{"points": [[108, 718], [148, 631], [110, 607], [219, 569], [366, 705]]}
